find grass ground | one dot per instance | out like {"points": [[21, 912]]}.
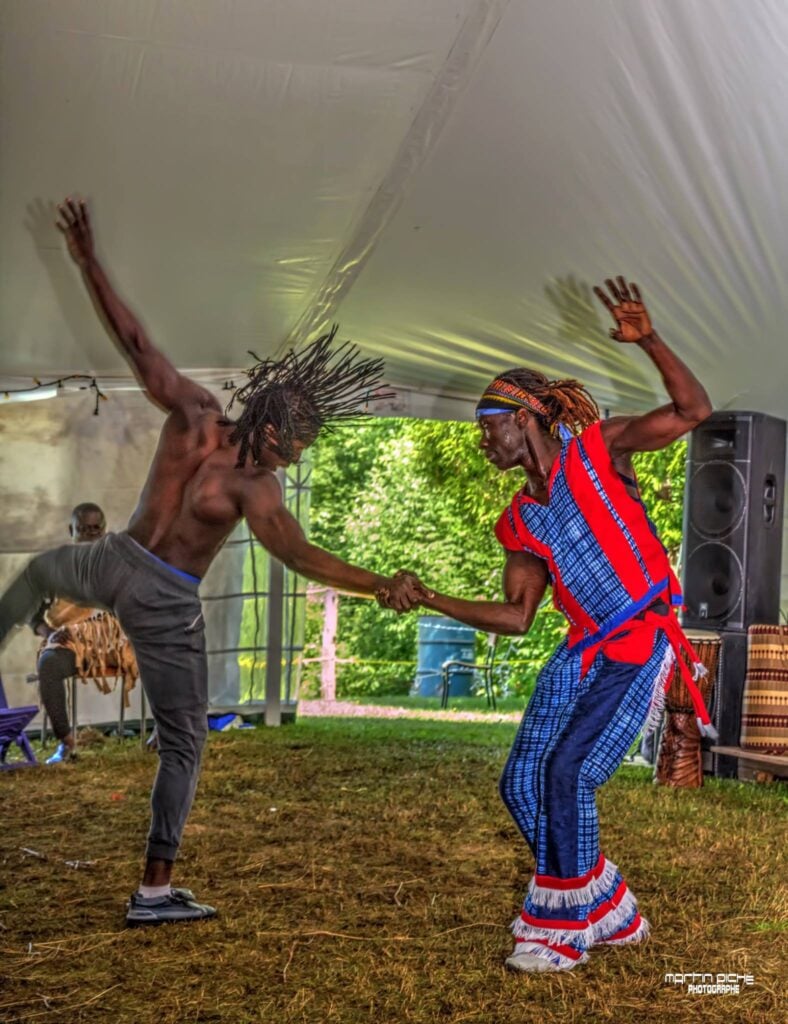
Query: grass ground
{"points": [[366, 871]]}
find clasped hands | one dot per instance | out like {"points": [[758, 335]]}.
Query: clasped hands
{"points": [[403, 592]]}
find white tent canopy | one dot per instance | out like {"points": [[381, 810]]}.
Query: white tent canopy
{"points": [[444, 177]]}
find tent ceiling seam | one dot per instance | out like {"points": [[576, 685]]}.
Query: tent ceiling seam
{"points": [[421, 137]]}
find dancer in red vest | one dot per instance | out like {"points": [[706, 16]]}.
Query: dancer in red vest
{"points": [[579, 525]]}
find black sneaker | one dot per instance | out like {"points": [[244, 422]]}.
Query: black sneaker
{"points": [[180, 905]]}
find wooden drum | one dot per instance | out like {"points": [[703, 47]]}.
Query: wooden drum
{"points": [[707, 646], [679, 757]]}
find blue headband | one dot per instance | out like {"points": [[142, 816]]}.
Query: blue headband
{"points": [[564, 433], [490, 411]]}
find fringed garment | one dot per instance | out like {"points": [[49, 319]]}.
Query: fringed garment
{"points": [[101, 648]]}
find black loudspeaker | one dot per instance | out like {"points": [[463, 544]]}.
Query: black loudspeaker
{"points": [[733, 521], [733, 529]]}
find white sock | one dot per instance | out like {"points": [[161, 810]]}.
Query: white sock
{"points": [[153, 892]]}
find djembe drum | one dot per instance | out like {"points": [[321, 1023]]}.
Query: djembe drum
{"points": [[679, 757]]}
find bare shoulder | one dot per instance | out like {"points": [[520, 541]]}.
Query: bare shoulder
{"points": [[203, 415], [261, 494], [621, 437], [201, 403], [612, 427]]}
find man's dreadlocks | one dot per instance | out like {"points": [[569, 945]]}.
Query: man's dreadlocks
{"points": [[565, 402], [301, 394]]}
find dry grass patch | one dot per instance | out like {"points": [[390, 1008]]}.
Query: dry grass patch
{"points": [[366, 871]]}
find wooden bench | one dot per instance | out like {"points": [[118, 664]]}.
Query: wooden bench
{"points": [[754, 765]]}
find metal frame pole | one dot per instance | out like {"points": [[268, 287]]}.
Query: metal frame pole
{"points": [[273, 660], [74, 710]]}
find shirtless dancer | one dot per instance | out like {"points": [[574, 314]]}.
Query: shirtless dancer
{"points": [[208, 472]]}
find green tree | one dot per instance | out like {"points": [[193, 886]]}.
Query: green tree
{"points": [[418, 495], [661, 476]]}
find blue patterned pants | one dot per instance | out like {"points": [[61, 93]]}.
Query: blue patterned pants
{"points": [[573, 736]]}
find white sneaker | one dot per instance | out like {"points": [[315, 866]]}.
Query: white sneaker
{"points": [[524, 958]]}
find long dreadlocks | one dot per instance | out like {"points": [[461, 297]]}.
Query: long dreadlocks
{"points": [[552, 402], [301, 394]]}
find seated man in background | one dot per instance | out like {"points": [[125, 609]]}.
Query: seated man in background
{"points": [[78, 641]]}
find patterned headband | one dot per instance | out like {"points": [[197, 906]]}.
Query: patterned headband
{"points": [[501, 396]]}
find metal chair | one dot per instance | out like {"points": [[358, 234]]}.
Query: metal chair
{"points": [[483, 668], [120, 731]]}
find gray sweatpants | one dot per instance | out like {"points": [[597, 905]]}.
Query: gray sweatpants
{"points": [[160, 612]]}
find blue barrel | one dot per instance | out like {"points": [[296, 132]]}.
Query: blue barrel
{"points": [[443, 639]]}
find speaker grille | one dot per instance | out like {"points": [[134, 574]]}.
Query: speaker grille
{"points": [[714, 578], [718, 499]]}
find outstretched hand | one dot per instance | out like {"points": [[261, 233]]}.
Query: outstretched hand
{"points": [[73, 222], [633, 323], [403, 592]]}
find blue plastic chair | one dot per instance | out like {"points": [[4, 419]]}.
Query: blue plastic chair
{"points": [[12, 730]]}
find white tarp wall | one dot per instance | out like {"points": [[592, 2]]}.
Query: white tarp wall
{"points": [[57, 453], [53, 455]]}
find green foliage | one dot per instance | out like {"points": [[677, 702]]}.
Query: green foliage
{"points": [[418, 495], [661, 476], [253, 631], [343, 462]]}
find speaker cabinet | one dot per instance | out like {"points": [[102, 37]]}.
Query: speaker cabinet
{"points": [[733, 521]]}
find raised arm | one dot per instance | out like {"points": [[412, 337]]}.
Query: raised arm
{"points": [[281, 534], [165, 385], [689, 403], [524, 583]]}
